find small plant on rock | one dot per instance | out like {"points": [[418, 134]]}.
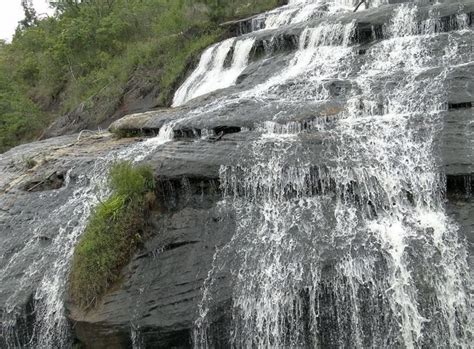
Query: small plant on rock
{"points": [[115, 230], [29, 162]]}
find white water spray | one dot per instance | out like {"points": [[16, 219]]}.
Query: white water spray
{"points": [[358, 252], [211, 73]]}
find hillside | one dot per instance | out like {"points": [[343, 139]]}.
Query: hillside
{"points": [[97, 60]]}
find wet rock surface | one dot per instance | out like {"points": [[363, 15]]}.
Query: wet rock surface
{"points": [[36, 180], [162, 284], [157, 301]]}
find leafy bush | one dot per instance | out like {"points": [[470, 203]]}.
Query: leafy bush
{"points": [[115, 230]]}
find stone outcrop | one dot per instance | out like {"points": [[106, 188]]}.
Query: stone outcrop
{"points": [[160, 289], [168, 305]]}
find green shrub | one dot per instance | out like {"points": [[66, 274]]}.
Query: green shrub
{"points": [[115, 230]]}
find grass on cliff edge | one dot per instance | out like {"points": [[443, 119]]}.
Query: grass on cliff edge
{"points": [[115, 229]]}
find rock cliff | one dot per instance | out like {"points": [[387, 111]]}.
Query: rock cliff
{"points": [[160, 296]]}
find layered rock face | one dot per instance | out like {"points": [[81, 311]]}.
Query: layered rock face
{"points": [[315, 190]]}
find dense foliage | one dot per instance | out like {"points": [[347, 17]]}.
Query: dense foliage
{"points": [[115, 229], [85, 55], [20, 117]]}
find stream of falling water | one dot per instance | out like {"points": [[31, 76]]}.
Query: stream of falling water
{"points": [[215, 72], [342, 238], [51, 328], [345, 242], [212, 73]]}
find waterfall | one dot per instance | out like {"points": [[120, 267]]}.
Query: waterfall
{"points": [[341, 237], [354, 249], [298, 11], [51, 328], [212, 73]]}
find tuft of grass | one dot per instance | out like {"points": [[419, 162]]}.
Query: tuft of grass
{"points": [[29, 162], [115, 231]]}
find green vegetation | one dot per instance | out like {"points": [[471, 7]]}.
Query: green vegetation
{"points": [[115, 230], [20, 117], [92, 52], [29, 162]]}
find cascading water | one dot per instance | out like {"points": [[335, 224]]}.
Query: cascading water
{"points": [[211, 73], [342, 238], [298, 11], [345, 242], [51, 328]]}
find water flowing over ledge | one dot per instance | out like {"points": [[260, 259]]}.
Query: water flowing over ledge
{"points": [[304, 195]]}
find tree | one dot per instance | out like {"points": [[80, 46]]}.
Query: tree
{"points": [[30, 19]]}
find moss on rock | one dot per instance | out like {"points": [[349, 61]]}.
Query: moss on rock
{"points": [[115, 230]]}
